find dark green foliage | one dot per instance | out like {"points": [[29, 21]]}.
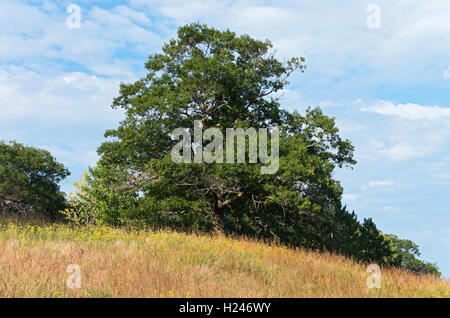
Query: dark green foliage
{"points": [[371, 244], [29, 180], [404, 254]]}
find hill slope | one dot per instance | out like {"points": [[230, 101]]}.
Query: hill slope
{"points": [[116, 263]]}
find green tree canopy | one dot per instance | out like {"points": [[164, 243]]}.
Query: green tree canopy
{"points": [[405, 254], [29, 180], [204, 74], [225, 81]]}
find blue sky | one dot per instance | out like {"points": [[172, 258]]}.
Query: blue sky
{"points": [[388, 87]]}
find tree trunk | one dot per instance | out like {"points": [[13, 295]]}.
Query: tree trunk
{"points": [[219, 216]]}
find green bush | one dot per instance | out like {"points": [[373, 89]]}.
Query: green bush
{"points": [[29, 180]]}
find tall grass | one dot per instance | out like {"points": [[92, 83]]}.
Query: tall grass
{"points": [[119, 263]]}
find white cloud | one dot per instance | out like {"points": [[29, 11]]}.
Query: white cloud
{"points": [[72, 157], [350, 197], [399, 147], [405, 151], [380, 183], [406, 131], [411, 111], [70, 98], [389, 208], [331, 32], [447, 72], [438, 169], [32, 34], [133, 15]]}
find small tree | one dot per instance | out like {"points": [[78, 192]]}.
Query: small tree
{"points": [[29, 180], [405, 254]]}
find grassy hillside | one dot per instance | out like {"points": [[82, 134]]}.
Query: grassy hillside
{"points": [[117, 263]]}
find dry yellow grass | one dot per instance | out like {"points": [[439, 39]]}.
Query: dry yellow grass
{"points": [[117, 263]]}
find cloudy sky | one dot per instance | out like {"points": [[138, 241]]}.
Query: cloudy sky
{"points": [[382, 68]]}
